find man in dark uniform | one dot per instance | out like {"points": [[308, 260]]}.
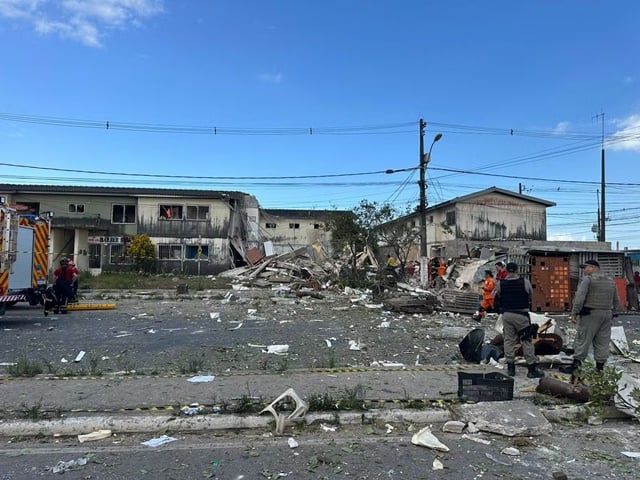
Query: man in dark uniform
{"points": [[514, 298], [593, 306]]}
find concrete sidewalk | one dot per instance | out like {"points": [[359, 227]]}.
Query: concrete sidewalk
{"points": [[151, 403]]}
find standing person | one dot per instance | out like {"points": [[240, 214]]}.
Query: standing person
{"points": [[74, 284], [636, 280], [514, 297], [501, 271], [593, 306], [64, 277], [488, 295]]}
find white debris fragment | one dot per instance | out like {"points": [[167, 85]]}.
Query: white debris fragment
{"points": [[514, 452], [80, 356], [328, 342], [437, 465], [425, 438], [156, 442], [215, 316], [277, 349], [97, 435], [326, 428], [389, 427], [353, 345], [292, 443], [202, 379], [453, 426], [631, 454], [385, 363], [64, 360], [385, 324]]}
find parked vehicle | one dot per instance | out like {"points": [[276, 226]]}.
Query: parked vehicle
{"points": [[24, 257]]}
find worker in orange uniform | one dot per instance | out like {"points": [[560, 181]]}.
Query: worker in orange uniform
{"points": [[488, 296], [442, 268]]}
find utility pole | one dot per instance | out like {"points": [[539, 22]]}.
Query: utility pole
{"points": [[424, 160], [602, 232], [424, 272]]}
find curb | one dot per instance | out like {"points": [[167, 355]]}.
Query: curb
{"points": [[201, 423], [152, 424]]}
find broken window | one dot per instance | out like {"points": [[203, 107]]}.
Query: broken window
{"points": [[118, 254], [451, 218], [197, 212], [76, 208], [169, 251], [294, 225], [171, 212], [270, 225], [195, 252], [123, 213]]}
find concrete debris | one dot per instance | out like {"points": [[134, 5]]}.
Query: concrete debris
{"points": [[511, 451], [510, 418], [425, 438], [292, 443], [477, 439], [453, 426], [277, 349], [624, 400], [437, 465]]}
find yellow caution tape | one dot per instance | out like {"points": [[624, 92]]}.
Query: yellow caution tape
{"points": [[91, 306]]}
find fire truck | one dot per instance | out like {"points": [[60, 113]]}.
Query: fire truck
{"points": [[24, 257]]}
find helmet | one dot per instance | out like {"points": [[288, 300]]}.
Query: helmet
{"points": [[64, 261]]}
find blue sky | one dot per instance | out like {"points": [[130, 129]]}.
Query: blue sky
{"points": [[303, 104]]}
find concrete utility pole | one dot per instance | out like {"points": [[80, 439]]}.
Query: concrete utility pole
{"points": [[424, 160], [602, 217]]}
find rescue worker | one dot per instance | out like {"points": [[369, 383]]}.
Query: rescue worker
{"points": [[514, 297], [64, 278], [488, 295], [501, 272], [74, 285], [593, 307]]}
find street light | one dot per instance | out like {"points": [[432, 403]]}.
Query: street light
{"points": [[424, 160]]}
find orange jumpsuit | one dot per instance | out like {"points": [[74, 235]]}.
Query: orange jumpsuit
{"points": [[488, 294]]}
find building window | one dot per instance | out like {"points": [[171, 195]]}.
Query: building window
{"points": [[451, 218], [430, 219], [294, 225], [76, 208], [118, 255], [197, 212], [123, 213], [195, 252], [270, 225], [171, 212], [169, 252], [317, 226]]}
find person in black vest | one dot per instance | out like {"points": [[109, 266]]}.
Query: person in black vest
{"points": [[514, 297], [65, 276]]}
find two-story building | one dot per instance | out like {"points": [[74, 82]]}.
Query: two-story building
{"points": [[194, 231]]}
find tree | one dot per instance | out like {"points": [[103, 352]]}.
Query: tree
{"points": [[346, 234], [143, 252]]}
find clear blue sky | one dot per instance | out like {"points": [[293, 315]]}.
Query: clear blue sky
{"points": [[296, 89]]}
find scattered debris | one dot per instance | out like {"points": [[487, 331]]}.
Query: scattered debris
{"points": [[156, 442], [97, 435], [80, 356], [437, 465], [62, 467], [453, 426], [300, 408], [277, 349], [192, 409], [425, 438], [292, 443], [202, 379]]}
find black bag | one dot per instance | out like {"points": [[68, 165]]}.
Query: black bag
{"points": [[471, 345]]}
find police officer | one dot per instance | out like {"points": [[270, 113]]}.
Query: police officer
{"points": [[593, 306], [514, 296]]}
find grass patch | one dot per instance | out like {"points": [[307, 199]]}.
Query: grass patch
{"points": [[33, 412], [25, 368], [192, 363], [348, 399]]}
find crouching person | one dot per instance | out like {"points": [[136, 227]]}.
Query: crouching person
{"points": [[514, 297], [65, 276]]}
